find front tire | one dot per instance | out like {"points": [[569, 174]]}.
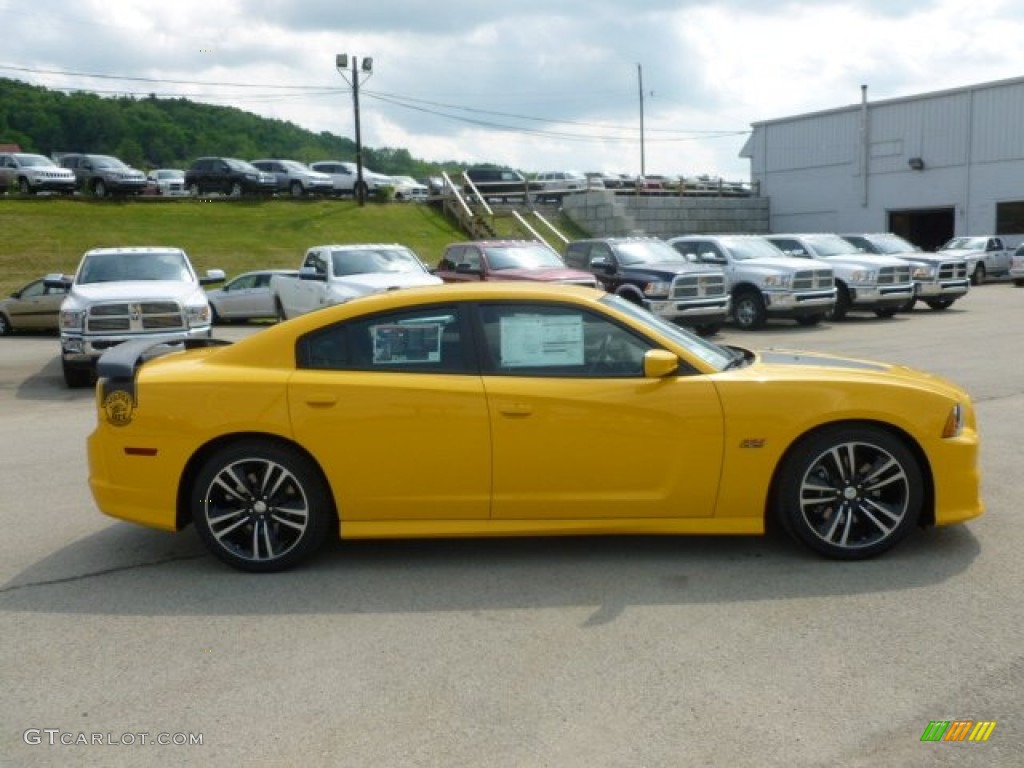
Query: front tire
{"points": [[5, 325], [979, 275], [260, 506], [296, 190], [76, 377], [940, 304], [99, 188], [236, 189], [23, 186], [849, 492], [749, 310], [842, 305], [810, 320], [885, 313]]}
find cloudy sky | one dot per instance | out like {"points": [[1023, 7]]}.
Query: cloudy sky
{"points": [[534, 84]]}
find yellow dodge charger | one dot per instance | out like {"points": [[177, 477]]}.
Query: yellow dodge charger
{"points": [[518, 409]]}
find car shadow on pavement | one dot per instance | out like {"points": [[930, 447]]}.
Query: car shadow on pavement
{"points": [[147, 572]]}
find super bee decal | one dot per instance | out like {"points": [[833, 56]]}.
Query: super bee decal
{"points": [[118, 405]]}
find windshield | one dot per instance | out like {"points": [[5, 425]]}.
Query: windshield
{"points": [[522, 257], [150, 265], [751, 248], [832, 245], [711, 353], [105, 161], [648, 252], [170, 174], [34, 160], [890, 244], [967, 243], [368, 260], [240, 165], [295, 165]]}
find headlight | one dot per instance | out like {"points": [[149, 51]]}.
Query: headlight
{"points": [[198, 315], [657, 288], [72, 319], [926, 272], [863, 276], [777, 281], [954, 422]]}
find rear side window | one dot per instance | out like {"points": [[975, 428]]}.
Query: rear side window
{"points": [[424, 340]]}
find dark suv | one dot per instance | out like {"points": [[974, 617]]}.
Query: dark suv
{"points": [[228, 176], [653, 274], [104, 175], [503, 183]]}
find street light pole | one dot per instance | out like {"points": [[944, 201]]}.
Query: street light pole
{"points": [[341, 64]]}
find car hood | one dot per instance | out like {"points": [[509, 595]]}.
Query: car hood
{"points": [[961, 252], [785, 263], [865, 260], [784, 363], [371, 282], [129, 290], [673, 268], [544, 275]]}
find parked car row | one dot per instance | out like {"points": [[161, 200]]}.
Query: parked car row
{"points": [[698, 281]]}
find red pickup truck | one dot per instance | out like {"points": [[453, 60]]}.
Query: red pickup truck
{"points": [[507, 260]]}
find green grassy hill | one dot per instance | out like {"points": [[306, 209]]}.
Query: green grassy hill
{"points": [[42, 235]]}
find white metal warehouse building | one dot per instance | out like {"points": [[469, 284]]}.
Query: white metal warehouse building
{"points": [[927, 167]]}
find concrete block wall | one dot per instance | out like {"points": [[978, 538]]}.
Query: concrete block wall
{"points": [[605, 214]]}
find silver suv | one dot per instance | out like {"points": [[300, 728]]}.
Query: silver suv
{"points": [[34, 173], [104, 175], [295, 178]]}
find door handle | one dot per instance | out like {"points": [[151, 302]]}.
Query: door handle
{"points": [[516, 409], [321, 401]]}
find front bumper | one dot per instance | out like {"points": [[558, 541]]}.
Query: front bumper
{"points": [[706, 310], [80, 350], [880, 297], [790, 304], [941, 289]]}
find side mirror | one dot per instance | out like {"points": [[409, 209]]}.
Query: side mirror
{"points": [[310, 273], [57, 280], [212, 276], [659, 363]]}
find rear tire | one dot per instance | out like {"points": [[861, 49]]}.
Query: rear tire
{"points": [[709, 329], [261, 506]]}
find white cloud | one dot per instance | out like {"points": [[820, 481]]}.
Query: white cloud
{"points": [[554, 83]]}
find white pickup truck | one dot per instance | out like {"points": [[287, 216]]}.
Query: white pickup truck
{"points": [[986, 256], [119, 294], [334, 274]]}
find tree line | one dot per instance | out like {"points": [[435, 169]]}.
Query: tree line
{"points": [[154, 132]]}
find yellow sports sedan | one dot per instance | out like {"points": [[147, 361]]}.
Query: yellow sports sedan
{"points": [[518, 409]]}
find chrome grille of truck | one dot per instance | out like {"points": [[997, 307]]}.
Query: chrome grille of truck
{"points": [[894, 275], [697, 286], [953, 270], [812, 279], [135, 317]]}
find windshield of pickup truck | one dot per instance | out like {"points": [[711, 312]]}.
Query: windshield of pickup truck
{"points": [[965, 243], [522, 257], [832, 245], [751, 248], [148, 265], [366, 260], [647, 252]]}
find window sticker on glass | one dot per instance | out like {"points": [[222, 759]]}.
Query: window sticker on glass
{"points": [[406, 343], [538, 340]]}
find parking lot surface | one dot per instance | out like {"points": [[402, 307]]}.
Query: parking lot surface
{"points": [[592, 652]]}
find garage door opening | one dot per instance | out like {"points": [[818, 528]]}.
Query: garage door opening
{"points": [[928, 229]]}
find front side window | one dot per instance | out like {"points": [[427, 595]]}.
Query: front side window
{"points": [[558, 341], [423, 340]]}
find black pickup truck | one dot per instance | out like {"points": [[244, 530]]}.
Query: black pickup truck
{"points": [[651, 273]]}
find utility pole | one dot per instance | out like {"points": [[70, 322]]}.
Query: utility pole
{"points": [[640, 83], [341, 61]]}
